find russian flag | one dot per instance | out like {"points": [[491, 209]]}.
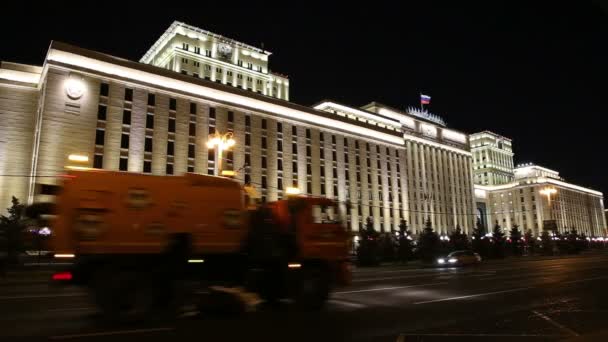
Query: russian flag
{"points": [[425, 99]]}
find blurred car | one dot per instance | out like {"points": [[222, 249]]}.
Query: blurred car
{"points": [[459, 258]]}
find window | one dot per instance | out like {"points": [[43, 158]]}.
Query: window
{"points": [[190, 168], [211, 155], [279, 146], [294, 130], [263, 142], [308, 151], [308, 169], [126, 117], [333, 139], [171, 125], [211, 113], [185, 46], [263, 123], [247, 159], [100, 136], [124, 141], [190, 150], [184, 61], [169, 169], [294, 167], [264, 163], [218, 70], [192, 129], [239, 62], [247, 179], [194, 75], [151, 100], [334, 155], [128, 94], [308, 133], [247, 121], [170, 148], [279, 183], [230, 116], [249, 78], [104, 89], [123, 164], [150, 120], [102, 112], [264, 184], [280, 164], [192, 108], [294, 148], [208, 53], [148, 144], [147, 166], [98, 161], [172, 104], [247, 139], [279, 127], [249, 65], [197, 50]]}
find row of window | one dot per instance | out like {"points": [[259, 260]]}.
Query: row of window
{"points": [[197, 50]]}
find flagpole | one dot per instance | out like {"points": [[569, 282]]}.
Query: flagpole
{"points": [[421, 104]]}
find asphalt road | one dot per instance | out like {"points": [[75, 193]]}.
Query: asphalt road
{"points": [[525, 300]]}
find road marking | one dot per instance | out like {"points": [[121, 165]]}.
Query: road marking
{"points": [[555, 324], [389, 288], [69, 309], [347, 303], [109, 333], [392, 278], [477, 335], [583, 280], [43, 296], [472, 296]]}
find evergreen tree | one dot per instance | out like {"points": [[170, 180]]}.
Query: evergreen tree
{"points": [[530, 241], [458, 239], [515, 238], [477, 238], [368, 251], [404, 252], [11, 230], [498, 241], [428, 243], [547, 243]]}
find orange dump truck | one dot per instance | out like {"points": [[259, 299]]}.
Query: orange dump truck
{"points": [[136, 239]]}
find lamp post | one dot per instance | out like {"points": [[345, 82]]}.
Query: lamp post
{"points": [[220, 142]]}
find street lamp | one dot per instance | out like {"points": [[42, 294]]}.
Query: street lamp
{"points": [[220, 142]]}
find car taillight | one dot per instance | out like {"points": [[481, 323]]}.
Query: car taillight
{"points": [[62, 276]]}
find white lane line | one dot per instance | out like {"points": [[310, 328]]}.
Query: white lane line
{"points": [[347, 303], [109, 333], [555, 324], [69, 309], [479, 335], [392, 278], [472, 296], [43, 296], [583, 280], [389, 288]]}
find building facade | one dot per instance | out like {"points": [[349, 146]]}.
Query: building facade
{"points": [[156, 116], [492, 158], [539, 199], [199, 53]]}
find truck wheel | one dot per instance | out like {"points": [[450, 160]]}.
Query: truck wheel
{"points": [[123, 295], [312, 289]]}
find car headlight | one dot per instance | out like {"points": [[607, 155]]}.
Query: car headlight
{"points": [[452, 260], [441, 261]]}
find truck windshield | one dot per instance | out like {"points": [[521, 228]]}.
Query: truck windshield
{"points": [[329, 214]]}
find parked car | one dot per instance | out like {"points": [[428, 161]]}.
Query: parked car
{"points": [[459, 258]]}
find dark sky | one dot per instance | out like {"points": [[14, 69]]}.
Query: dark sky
{"points": [[532, 71]]}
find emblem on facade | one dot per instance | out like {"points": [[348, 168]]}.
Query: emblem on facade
{"points": [[74, 88]]}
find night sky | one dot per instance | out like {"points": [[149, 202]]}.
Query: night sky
{"points": [[534, 72]]}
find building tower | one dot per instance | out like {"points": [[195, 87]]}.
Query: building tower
{"points": [[492, 158]]}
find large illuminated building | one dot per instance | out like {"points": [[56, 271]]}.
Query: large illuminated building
{"points": [[538, 198], [492, 158], [156, 116]]}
